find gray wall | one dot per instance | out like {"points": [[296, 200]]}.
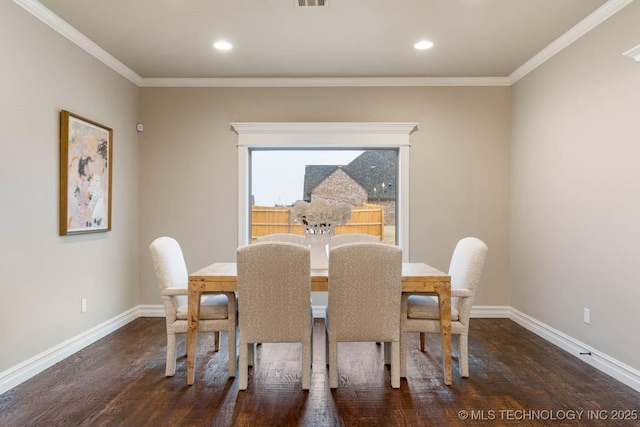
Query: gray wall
{"points": [[459, 166], [44, 276], [575, 204]]}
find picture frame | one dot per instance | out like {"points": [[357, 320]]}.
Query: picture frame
{"points": [[86, 164]]}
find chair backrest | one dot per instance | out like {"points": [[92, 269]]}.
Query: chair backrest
{"points": [[274, 291], [465, 270], [341, 239], [283, 237], [365, 286], [171, 270]]}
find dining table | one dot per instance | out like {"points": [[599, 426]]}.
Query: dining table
{"points": [[417, 278]]}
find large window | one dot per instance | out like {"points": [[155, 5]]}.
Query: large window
{"points": [[364, 179], [258, 139]]}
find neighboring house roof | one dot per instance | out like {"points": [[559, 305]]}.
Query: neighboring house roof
{"points": [[373, 168], [314, 175], [370, 169]]}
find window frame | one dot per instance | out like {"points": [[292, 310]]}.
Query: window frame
{"points": [[325, 135]]}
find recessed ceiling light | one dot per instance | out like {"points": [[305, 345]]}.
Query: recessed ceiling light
{"points": [[223, 45], [423, 44]]}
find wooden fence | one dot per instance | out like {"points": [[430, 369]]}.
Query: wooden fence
{"points": [[366, 219]]}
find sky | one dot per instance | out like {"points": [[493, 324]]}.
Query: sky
{"points": [[277, 176]]}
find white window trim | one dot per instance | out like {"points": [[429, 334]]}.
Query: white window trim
{"points": [[325, 135]]}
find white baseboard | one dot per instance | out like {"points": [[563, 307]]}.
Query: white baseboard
{"points": [[151, 310], [610, 366], [38, 363], [318, 311], [33, 366], [490, 311], [478, 311]]}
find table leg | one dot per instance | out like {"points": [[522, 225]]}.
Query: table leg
{"points": [[444, 297], [192, 332]]}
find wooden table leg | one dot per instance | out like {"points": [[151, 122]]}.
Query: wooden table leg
{"points": [[444, 297], [192, 332]]}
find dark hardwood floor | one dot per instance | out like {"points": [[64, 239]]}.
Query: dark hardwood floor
{"points": [[517, 379]]}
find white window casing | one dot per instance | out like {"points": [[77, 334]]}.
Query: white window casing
{"points": [[325, 135]]}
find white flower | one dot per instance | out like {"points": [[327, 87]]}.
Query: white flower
{"points": [[320, 216]]}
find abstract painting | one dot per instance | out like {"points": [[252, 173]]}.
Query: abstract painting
{"points": [[85, 175]]}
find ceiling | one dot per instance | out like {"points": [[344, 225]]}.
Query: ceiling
{"points": [[172, 39]]}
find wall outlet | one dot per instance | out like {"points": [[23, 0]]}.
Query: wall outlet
{"points": [[83, 305], [587, 316]]}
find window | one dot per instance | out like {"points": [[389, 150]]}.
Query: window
{"points": [[364, 179], [257, 138]]}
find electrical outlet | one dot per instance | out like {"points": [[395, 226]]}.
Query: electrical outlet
{"points": [[83, 305], [587, 316]]}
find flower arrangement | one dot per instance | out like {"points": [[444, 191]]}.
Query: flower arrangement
{"points": [[320, 216]]}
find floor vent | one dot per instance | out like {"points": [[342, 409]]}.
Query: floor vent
{"points": [[305, 3]]}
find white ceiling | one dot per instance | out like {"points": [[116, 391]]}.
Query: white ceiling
{"points": [[150, 40]]}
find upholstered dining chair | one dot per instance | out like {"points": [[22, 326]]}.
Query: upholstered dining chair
{"points": [[278, 237], [341, 239], [421, 313], [217, 311], [274, 301], [283, 237], [365, 285]]}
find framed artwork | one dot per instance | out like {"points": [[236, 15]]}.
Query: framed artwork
{"points": [[85, 175]]}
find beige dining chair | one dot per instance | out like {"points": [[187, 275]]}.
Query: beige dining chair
{"points": [[341, 239], [365, 284], [421, 313], [283, 237], [274, 301], [217, 311]]}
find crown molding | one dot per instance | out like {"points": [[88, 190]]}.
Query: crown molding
{"points": [[325, 82], [54, 21], [580, 29]]}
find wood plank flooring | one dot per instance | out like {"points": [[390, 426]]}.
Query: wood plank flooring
{"points": [[516, 379]]}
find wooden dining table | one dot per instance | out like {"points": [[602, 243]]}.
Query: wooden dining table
{"points": [[416, 278]]}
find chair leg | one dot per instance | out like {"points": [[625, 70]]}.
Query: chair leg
{"points": [[306, 364], [243, 369], [464, 355], [387, 353], [216, 341], [333, 363], [251, 355], [326, 347], [171, 355], [422, 339], [311, 325], [231, 335], [403, 354], [395, 363], [311, 349]]}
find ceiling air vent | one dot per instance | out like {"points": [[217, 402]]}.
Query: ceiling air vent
{"points": [[305, 3]]}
